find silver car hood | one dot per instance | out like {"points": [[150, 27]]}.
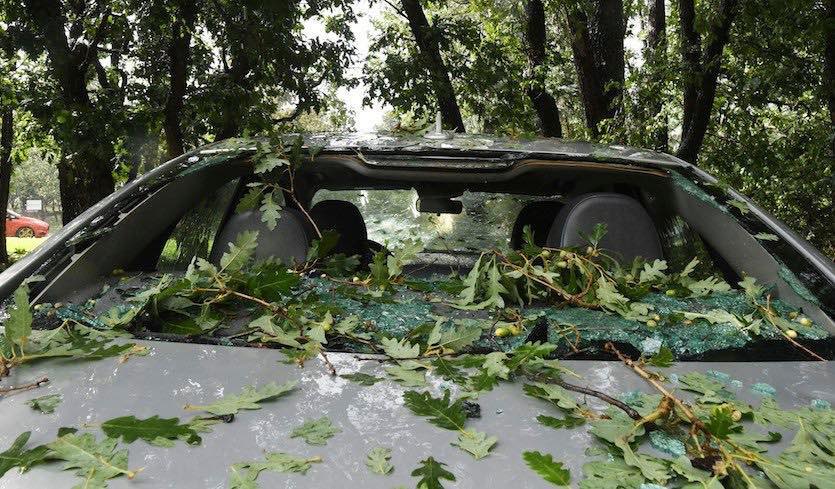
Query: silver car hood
{"points": [[173, 375]]}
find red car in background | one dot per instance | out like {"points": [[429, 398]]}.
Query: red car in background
{"points": [[25, 227]]}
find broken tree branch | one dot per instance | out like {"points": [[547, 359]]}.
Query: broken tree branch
{"points": [[5, 391]]}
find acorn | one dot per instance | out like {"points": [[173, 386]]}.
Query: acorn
{"points": [[656, 317], [546, 253], [651, 323], [355, 279], [791, 333], [562, 264], [736, 415], [805, 322], [671, 292], [501, 332], [563, 253]]}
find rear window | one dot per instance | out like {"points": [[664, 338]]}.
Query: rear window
{"points": [[392, 217]]}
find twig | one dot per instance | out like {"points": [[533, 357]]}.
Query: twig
{"points": [[603, 397], [328, 363], [769, 315], [685, 409], [5, 391]]}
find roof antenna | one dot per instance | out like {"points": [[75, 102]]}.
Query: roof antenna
{"points": [[438, 133]]}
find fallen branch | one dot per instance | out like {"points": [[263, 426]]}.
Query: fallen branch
{"points": [[5, 391], [328, 363], [632, 413], [685, 409]]}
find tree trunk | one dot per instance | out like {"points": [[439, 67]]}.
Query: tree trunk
{"points": [[701, 71], [87, 176], [542, 101], [6, 138], [657, 57], [829, 79], [597, 45], [178, 62], [430, 50]]}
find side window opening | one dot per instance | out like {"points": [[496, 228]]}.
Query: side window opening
{"points": [[194, 234]]}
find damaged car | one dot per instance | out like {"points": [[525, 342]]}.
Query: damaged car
{"points": [[447, 311]]}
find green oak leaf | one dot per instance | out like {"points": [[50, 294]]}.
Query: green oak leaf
{"points": [[18, 326], [243, 475], [527, 352], [441, 412], [247, 399], [557, 423], [475, 443], [664, 358], [240, 252], [448, 371], [250, 200], [462, 335], [45, 404], [361, 378], [316, 431], [408, 377], [399, 349], [18, 456], [494, 364], [270, 211], [547, 468], [154, 430], [93, 461], [378, 461], [482, 381], [431, 472], [610, 474], [721, 423]]}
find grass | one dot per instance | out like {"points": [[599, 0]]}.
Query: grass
{"points": [[18, 247]]}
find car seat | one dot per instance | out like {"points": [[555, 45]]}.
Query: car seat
{"points": [[344, 218], [539, 216], [630, 231], [288, 242]]}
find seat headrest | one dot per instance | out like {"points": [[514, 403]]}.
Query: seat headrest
{"points": [[344, 218], [288, 242], [539, 216], [630, 231]]}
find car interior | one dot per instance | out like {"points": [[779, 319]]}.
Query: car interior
{"points": [[645, 212]]}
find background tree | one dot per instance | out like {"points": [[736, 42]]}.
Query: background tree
{"points": [[535, 39]]}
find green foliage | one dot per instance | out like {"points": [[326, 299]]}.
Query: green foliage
{"points": [[19, 456], [244, 474], [475, 443], [45, 404], [664, 358], [399, 348], [19, 325], [154, 430], [558, 423], [547, 468], [440, 411], [316, 431], [248, 399], [361, 378], [93, 461], [431, 473], [378, 461]]}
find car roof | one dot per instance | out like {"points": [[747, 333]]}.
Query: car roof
{"points": [[502, 150]]}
